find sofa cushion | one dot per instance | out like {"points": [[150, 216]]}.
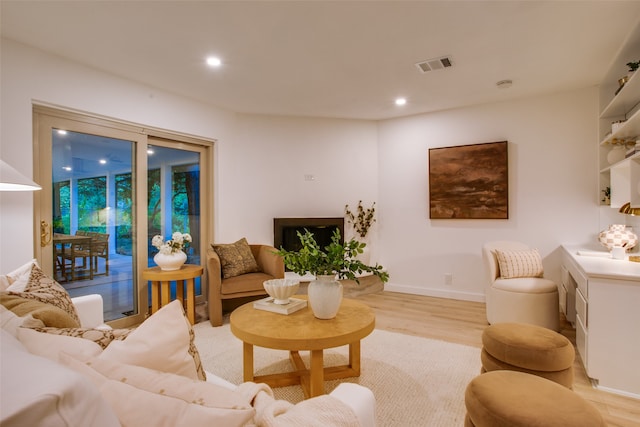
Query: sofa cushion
{"points": [[519, 263], [43, 288], [236, 258], [49, 314], [37, 392], [141, 396], [164, 342]]}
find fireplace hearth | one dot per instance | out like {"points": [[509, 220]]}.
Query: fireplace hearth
{"points": [[285, 231]]}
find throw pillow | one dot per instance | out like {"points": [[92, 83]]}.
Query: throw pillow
{"points": [[11, 323], [49, 314], [18, 277], [164, 342], [141, 396], [102, 337], [236, 258], [519, 263], [41, 287], [51, 346]]}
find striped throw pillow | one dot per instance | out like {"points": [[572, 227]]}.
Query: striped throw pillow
{"points": [[522, 263]]}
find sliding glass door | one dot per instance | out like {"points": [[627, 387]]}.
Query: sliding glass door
{"points": [[106, 193]]}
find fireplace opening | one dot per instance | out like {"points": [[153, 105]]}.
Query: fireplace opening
{"points": [[285, 231]]}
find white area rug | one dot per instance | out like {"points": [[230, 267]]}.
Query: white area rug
{"points": [[416, 381]]}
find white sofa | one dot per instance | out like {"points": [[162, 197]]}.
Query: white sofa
{"points": [[37, 391]]}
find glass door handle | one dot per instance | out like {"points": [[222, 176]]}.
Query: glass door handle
{"points": [[45, 233]]}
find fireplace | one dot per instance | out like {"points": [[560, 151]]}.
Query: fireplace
{"points": [[285, 231]]}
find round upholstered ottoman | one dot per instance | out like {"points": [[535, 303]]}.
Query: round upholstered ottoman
{"points": [[528, 348], [514, 399]]}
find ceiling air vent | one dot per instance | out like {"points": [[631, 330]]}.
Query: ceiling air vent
{"points": [[434, 64]]}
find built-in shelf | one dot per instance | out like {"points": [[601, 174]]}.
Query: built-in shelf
{"points": [[622, 177]]}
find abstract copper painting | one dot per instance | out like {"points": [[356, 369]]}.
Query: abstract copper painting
{"points": [[469, 182]]}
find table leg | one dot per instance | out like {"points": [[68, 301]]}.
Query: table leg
{"points": [[354, 357], [191, 301], [316, 374], [165, 293], [155, 296], [180, 291], [247, 358]]}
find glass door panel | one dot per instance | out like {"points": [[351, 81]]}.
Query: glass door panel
{"points": [[173, 196], [93, 218]]}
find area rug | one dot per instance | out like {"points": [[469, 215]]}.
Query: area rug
{"points": [[416, 381]]}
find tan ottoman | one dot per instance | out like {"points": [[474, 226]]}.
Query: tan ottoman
{"points": [[514, 399], [528, 348]]}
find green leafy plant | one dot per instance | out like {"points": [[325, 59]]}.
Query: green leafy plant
{"points": [[362, 219], [335, 259], [633, 65]]}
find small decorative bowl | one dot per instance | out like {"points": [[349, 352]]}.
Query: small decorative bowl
{"points": [[281, 289]]}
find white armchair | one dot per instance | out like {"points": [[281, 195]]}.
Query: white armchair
{"points": [[532, 300]]}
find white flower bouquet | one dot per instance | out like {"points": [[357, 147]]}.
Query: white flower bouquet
{"points": [[178, 242]]}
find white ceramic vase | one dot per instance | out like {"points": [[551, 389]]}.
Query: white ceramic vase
{"points": [[325, 296], [618, 235], [170, 262]]}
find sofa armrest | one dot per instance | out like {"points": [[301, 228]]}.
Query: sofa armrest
{"points": [[360, 399], [90, 310], [268, 261]]}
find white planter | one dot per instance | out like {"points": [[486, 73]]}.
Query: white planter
{"points": [[325, 296], [170, 262]]}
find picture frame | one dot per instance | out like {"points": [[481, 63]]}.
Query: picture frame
{"points": [[469, 181]]}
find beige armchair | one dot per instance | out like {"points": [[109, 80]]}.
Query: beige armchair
{"points": [[246, 285], [532, 300]]}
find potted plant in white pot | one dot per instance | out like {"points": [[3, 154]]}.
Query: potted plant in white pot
{"points": [[336, 259]]}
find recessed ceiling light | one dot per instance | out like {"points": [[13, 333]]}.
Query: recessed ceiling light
{"points": [[214, 61], [401, 101]]}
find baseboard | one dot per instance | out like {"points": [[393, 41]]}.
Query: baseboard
{"points": [[431, 292]]}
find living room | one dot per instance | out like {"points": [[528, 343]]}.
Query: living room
{"points": [[261, 161]]}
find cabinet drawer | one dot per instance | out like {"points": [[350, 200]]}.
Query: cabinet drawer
{"points": [[578, 277], [582, 309], [562, 293], [582, 338]]}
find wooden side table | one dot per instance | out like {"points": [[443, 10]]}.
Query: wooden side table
{"points": [[161, 289]]}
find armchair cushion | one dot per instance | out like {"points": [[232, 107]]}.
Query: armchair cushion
{"points": [[236, 258], [519, 263]]}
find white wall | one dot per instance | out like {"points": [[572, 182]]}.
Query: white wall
{"points": [[262, 176], [29, 76], [552, 189], [261, 162]]}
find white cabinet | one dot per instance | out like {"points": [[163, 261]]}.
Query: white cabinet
{"points": [[607, 318], [623, 176]]}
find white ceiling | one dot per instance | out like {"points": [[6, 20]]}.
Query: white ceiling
{"points": [[344, 59]]}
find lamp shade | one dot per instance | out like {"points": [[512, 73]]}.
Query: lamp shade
{"points": [[12, 180], [628, 210]]}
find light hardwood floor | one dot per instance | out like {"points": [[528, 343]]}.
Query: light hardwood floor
{"points": [[462, 322]]}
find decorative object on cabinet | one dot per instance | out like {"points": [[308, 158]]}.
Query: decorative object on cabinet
{"points": [[628, 210], [606, 196], [617, 235], [469, 182]]}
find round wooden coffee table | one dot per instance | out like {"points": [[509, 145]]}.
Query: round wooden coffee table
{"points": [[301, 331]]}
